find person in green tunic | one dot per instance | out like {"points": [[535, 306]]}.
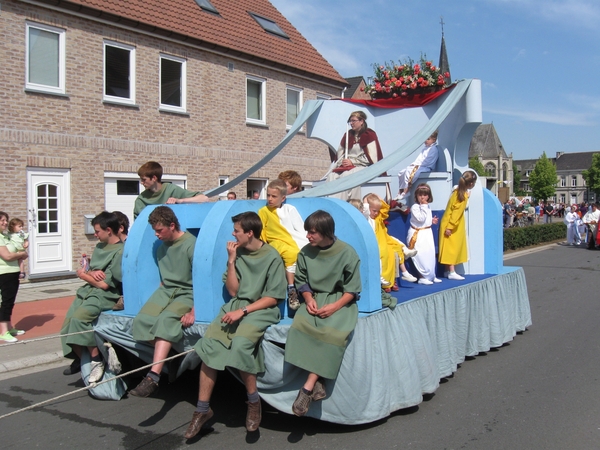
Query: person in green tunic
{"points": [[255, 279], [171, 306], [158, 193], [328, 277], [102, 289]]}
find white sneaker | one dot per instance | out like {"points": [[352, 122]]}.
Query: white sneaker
{"points": [[455, 276], [409, 253], [424, 281], [96, 372], [406, 276], [7, 337], [400, 197], [437, 280]]}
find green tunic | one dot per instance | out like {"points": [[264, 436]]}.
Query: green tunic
{"points": [[91, 301], [160, 317], [260, 274], [166, 191], [314, 344]]}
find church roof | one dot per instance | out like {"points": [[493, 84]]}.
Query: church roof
{"points": [[237, 28], [486, 143]]}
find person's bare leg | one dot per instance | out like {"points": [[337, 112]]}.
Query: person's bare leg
{"points": [[161, 351], [208, 379]]}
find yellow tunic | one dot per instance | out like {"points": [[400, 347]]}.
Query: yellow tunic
{"points": [[277, 235], [390, 248], [453, 248]]}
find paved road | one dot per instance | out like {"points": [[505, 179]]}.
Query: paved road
{"points": [[540, 391]]}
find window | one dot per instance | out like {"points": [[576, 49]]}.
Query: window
{"points": [[255, 100], [172, 83], [505, 171], [562, 198], [223, 179], [269, 26], [323, 97], [528, 172], [563, 182], [574, 181], [490, 170], [119, 73], [45, 61], [207, 6], [294, 105], [526, 187]]}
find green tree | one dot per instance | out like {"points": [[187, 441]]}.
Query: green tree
{"points": [[592, 175], [542, 179], [476, 165], [517, 182]]}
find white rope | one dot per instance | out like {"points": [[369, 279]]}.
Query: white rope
{"points": [[48, 337], [93, 385]]}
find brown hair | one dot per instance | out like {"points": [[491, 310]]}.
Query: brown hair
{"points": [[423, 188], [163, 215], [13, 223], [466, 182], [362, 116], [151, 169], [292, 177]]}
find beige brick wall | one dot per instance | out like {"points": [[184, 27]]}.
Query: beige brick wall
{"points": [[89, 137]]}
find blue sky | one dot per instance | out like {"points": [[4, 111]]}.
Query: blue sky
{"points": [[538, 60]]}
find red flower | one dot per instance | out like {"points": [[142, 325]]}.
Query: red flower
{"points": [[388, 90], [362, 89], [398, 83], [446, 74], [413, 85], [388, 82], [428, 63], [404, 87]]}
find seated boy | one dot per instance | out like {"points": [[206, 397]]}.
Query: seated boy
{"points": [[101, 291], [254, 278], [425, 162], [171, 306], [391, 251], [293, 181], [283, 229], [158, 193]]}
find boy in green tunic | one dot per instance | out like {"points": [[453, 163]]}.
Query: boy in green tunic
{"points": [[171, 306], [158, 193], [101, 291], [255, 278], [328, 278]]}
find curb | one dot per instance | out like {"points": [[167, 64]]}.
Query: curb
{"points": [[33, 361]]}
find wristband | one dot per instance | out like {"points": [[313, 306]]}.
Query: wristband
{"points": [[245, 311]]}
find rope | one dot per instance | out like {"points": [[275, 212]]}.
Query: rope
{"points": [[49, 337], [93, 385]]}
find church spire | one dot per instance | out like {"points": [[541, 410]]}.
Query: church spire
{"points": [[443, 64]]}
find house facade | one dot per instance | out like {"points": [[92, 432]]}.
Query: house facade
{"points": [[92, 89], [570, 185]]}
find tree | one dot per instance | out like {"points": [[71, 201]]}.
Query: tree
{"points": [[517, 182], [476, 165], [542, 179], [592, 175]]}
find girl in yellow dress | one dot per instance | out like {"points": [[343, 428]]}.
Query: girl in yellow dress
{"points": [[453, 233]]}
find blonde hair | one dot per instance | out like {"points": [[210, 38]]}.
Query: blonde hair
{"points": [[466, 182], [279, 185], [356, 203], [372, 199]]}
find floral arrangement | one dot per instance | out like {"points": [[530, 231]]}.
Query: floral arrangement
{"points": [[406, 78]]}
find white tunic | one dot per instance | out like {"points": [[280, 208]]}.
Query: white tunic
{"points": [[424, 260], [425, 162]]}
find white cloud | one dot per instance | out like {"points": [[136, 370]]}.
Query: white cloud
{"points": [[489, 85], [556, 117]]}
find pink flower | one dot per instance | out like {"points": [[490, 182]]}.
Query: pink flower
{"points": [[394, 95], [413, 85], [362, 89], [388, 90], [404, 87]]}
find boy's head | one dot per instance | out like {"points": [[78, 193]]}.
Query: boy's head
{"points": [[15, 225], [276, 192], [293, 181], [231, 196], [164, 222], [246, 226], [320, 222], [357, 204], [374, 204], [150, 170], [431, 139], [123, 221], [105, 225]]}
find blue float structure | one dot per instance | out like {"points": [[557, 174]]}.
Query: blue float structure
{"points": [[395, 356]]}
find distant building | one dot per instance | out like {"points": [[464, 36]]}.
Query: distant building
{"points": [[487, 147], [356, 90], [570, 186]]}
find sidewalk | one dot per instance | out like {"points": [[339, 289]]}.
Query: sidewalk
{"points": [[40, 310]]}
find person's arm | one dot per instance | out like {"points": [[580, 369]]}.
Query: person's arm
{"points": [[232, 284], [187, 320], [261, 303], [200, 198], [328, 310], [8, 256], [91, 281]]}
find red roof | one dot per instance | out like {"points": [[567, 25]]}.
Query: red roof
{"points": [[233, 31]]}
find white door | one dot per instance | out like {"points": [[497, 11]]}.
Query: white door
{"points": [[49, 220]]}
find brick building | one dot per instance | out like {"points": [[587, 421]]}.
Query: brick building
{"points": [[92, 89]]}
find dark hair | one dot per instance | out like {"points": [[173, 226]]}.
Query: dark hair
{"points": [[163, 215], [232, 193], [424, 188], [151, 169], [123, 221], [249, 221], [3, 214], [107, 220], [292, 177], [321, 222], [13, 223]]}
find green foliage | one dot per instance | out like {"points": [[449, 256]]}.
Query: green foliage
{"points": [[542, 179], [592, 175], [476, 165], [517, 182], [515, 238]]}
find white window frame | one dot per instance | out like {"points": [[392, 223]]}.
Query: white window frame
{"points": [[574, 181], [60, 89], [323, 97], [223, 179], [183, 62], [300, 103], [263, 98], [563, 182], [112, 98]]}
